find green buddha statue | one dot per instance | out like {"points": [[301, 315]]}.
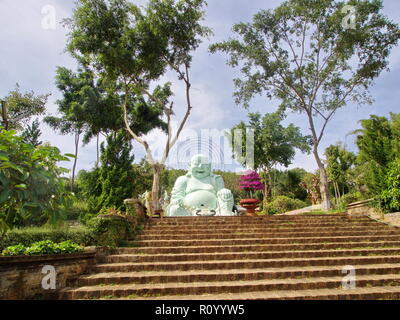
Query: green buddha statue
{"points": [[200, 192]]}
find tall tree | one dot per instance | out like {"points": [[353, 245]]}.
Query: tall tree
{"points": [[379, 145], [303, 54], [18, 108], [32, 133], [274, 144], [135, 47], [68, 124], [116, 171], [94, 105], [339, 162]]}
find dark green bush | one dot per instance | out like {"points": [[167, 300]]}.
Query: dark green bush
{"points": [[110, 231], [351, 197], [29, 236], [283, 204], [390, 196], [43, 248], [17, 250]]}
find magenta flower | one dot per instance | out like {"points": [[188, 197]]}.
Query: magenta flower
{"points": [[251, 181]]}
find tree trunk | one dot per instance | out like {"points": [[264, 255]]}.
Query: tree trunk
{"points": [[4, 114], [155, 191], [77, 135], [324, 184], [97, 150], [335, 185], [267, 185]]}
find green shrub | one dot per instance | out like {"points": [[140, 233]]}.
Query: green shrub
{"points": [[351, 197], [17, 250], [283, 204], [43, 248], [68, 247], [28, 236], [110, 231], [32, 187], [390, 197], [79, 208]]}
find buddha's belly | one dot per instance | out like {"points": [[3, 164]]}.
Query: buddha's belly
{"points": [[201, 199]]}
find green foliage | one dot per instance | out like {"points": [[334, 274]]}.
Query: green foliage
{"points": [[110, 231], [339, 165], [302, 54], [138, 43], [301, 48], [116, 174], [283, 204], [311, 183], [141, 44], [273, 143], [379, 145], [21, 107], [28, 236], [17, 250], [288, 183], [92, 104], [114, 181], [351, 197], [390, 196], [43, 248], [31, 186], [77, 209], [32, 133]]}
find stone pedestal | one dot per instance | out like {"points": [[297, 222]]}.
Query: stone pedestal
{"points": [[250, 205]]}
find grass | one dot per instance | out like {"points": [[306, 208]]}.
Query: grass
{"points": [[318, 212], [47, 229], [106, 284]]}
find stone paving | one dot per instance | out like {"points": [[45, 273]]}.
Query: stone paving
{"points": [[268, 257]]}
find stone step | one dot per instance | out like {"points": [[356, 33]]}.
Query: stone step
{"points": [[198, 288], [367, 293], [252, 220], [244, 264], [256, 247], [154, 258], [263, 223], [172, 232], [230, 275], [277, 234], [229, 242]]}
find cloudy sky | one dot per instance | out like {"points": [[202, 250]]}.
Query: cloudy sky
{"points": [[31, 48]]}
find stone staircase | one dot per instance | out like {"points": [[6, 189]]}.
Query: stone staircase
{"points": [[268, 257]]}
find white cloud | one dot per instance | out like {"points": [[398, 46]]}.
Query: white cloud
{"points": [[29, 55]]}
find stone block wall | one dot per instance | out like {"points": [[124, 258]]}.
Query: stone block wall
{"points": [[21, 277], [361, 208]]}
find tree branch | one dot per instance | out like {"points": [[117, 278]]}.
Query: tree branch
{"points": [[188, 110], [138, 139]]}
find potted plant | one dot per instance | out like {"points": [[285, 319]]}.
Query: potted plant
{"points": [[250, 182]]}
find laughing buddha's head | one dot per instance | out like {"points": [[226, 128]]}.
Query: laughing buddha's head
{"points": [[200, 167]]}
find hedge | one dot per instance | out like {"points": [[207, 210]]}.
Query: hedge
{"points": [[282, 204], [29, 236]]}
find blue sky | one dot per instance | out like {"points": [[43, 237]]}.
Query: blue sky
{"points": [[30, 54]]}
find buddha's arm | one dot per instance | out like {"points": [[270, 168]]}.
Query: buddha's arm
{"points": [[179, 191], [219, 183], [222, 192]]}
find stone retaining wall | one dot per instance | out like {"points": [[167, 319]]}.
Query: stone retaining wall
{"points": [[21, 277], [361, 208]]}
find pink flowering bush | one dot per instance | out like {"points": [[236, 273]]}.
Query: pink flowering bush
{"points": [[250, 182]]}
